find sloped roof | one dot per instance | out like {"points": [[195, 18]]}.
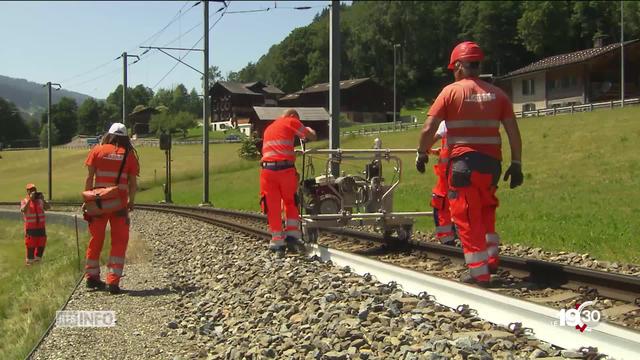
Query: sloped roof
{"points": [[291, 96], [566, 59], [236, 88], [267, 113], [344, 85]]}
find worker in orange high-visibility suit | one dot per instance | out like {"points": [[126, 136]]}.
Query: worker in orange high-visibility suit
{"points": [[103, 164], [35, 234], [439, 201], [278, 180], [473, 111]]}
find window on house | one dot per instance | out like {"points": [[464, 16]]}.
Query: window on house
{"points": [[529, 107], [551, 84], [528, 87], [566, 82], [573, 80]]}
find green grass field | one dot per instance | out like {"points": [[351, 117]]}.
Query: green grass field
{"points": [[30, 296], [580, 192]]}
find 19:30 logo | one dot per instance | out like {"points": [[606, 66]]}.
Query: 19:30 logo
{"points": [[581, 317]]}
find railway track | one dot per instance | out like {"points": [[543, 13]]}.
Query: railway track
{"points": [[541, 283], [545, 285]]}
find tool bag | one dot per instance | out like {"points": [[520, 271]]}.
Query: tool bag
{"points": [[104, 200]]}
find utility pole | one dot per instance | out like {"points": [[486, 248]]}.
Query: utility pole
{"points": [[334, 81], [205, 109], [395, 46], [621, 53], [124, 57], [58, 87]]}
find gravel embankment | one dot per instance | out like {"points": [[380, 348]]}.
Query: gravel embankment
{"points": [[205, 292]]}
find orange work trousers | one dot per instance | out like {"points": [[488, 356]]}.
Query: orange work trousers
{"points": [[440, 205], [119, 222], [278, 188], [472, 194]]}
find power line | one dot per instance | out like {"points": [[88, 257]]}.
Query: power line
{"points": [[155, 36], [194, 45]]}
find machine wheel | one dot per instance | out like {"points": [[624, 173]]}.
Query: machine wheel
{"points": [[404, 235], [311, 235]]}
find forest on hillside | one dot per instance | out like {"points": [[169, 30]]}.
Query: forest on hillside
{"points": [[512, 34]]}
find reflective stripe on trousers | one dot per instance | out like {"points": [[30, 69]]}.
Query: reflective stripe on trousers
{"points": [[493, 243], [116, 265], [477, 264], [92, 268], [292, 228], [277, 239]]}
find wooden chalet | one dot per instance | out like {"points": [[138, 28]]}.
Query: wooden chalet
{"points": [[316, 118], [361, 100], [231, 100], [139, 120]]}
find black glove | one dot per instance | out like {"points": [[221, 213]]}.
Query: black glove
{"points": [[421, 160], [515, 172]]}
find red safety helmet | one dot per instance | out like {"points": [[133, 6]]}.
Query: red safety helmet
{"points": [[465, 51]]}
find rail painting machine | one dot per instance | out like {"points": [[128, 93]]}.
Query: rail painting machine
{"points": [[354, 199]]}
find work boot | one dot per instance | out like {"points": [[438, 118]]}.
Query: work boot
{"points": [[295, 245], [114, 289], [277, 250], [29, 262], [468, 279], [37, 259], [95, 283]]}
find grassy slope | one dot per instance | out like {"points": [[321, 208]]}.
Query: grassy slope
{"points": [[29, 296], [580, 192]]}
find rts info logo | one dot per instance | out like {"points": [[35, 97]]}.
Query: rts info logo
{"points": [[580, 317]]}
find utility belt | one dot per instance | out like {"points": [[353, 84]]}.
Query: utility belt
{"points": [[36, 232], [277, 165]]}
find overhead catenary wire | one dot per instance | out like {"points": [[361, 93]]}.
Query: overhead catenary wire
{"points": [[155, 36], [192, 47]]}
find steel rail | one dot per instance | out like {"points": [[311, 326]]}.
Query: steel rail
{"points": [[613, 340], [611, 285]]}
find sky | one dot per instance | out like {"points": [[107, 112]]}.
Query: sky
{"points": [[76, 43]]}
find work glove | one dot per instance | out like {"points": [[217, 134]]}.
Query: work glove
{"points": [[421, 160], [515, 173]]}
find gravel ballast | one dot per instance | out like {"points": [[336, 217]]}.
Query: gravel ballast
{"points": [[205, 292]]}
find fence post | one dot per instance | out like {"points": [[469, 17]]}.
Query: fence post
{"points": [[610, 104], [572, 108], [554, 111], [590, 106], [538, 112]]}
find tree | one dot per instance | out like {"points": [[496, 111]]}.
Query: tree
{"points": [[179, 99], [172, 123], [500, 40], [88, 117], [55, 135], [543, 27], [107, 115], [64, 115], [12, 127]]}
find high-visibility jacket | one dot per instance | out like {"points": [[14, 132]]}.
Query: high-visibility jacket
{"points": [[278, 140], [34, 218], [107, 159], [473, 111]]}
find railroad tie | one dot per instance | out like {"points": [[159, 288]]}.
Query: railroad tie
{"points": [[619, 310], [563, 296]]}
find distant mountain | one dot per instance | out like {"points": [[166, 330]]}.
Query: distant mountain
{"points": [[32, 97]]}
